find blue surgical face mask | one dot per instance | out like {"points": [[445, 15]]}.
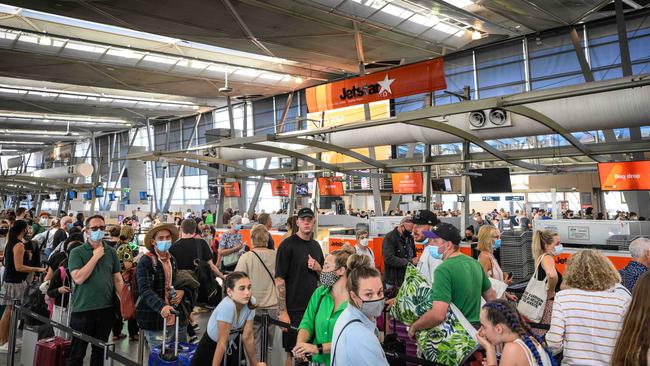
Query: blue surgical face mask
{"points": [[237, 227], [558, 250], [433, 252], [70, 226], [163, 245], [497, 244], [96, 235]]}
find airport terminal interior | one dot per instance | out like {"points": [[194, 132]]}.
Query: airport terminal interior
{"points": [[325, 182]]}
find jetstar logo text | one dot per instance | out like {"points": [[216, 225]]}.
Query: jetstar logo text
{"points": [[421, 77], [382, 88]]}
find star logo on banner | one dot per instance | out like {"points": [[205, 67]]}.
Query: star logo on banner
{"points": [[385, 85]]}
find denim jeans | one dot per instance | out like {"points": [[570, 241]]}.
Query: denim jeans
{"points": [[95, 323], [154, 337]]}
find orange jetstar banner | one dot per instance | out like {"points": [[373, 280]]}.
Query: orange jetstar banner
{"points": [[421, 77], [231, 189], [330, 186], [625, 176], [280, 188], [407, 183]]}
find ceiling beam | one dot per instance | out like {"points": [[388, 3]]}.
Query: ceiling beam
{"points": [[444, 127], [582, 59]]}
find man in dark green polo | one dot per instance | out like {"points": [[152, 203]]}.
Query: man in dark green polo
{"points": [[95, 270]]}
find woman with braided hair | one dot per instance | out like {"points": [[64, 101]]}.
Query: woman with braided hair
{"points": [[502, 324]]}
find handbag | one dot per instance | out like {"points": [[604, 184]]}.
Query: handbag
{"points": [[532, 302], [230, 260], [127, 295]]}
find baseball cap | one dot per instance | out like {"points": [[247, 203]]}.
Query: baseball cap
{"points": [[425, 217], [446, 232], [305, 212]]}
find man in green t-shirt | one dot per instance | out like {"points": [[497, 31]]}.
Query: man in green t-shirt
{"points": [[459, 280], [95, 270]]}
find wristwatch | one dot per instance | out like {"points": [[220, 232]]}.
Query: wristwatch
{"points": [[320, 348]]}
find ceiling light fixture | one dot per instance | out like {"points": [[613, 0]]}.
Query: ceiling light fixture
{"points": [[476, 35]]}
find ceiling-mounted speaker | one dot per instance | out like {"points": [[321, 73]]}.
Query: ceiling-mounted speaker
{"points": [[477, 119], [488, 118], [498, 117]]}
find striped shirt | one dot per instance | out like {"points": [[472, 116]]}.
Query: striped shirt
{"points": [[586, 325]]}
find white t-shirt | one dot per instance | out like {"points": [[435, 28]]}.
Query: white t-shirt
{"points": [[226, 312], [427, 264]]}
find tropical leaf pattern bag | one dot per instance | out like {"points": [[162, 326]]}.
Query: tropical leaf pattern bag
{"points": [[451, 342]]}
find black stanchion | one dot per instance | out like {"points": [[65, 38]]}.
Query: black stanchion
{"points": [[13, 331]]}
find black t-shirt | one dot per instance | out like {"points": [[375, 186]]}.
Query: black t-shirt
{"points": [[291, 265], [185, 251]]}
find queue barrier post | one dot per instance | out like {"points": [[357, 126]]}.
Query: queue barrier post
{"points": [[141, 347], [13, 331], [108, 347]]}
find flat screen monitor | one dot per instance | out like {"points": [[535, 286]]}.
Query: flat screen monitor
{"points": [[143, 196], [72, 195], [441, 185], [99, 191], [302, 189], [495, 180], [625, 176]]}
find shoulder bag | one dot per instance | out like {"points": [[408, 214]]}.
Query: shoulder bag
{"points": [[533, 300]]}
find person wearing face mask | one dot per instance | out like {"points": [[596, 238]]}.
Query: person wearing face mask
{"points": [[16, 270], [424, 221], [398, 250], [325, 306], [155, 275], [489, 240], [362, 246], [95, 270], [354, 340], [231, 244], [459, 280], [41, 224], [546, 246]]}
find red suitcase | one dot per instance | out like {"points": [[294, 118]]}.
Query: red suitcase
{"points": [[54, 350], [51, 351]]}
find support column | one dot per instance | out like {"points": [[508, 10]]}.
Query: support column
{"points": [[152, 166], [181, 168], [464, 188], [123, 169], [95, 159], [582, 59], [292, 189], [427, 176], [258, 189], [626, 63]]}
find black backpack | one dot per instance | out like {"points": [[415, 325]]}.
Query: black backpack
{"points": [[210, 291]]}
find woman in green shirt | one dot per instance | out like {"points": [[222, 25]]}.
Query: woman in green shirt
{"points": [[325, 305]]}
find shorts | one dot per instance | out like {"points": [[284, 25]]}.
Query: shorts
{"points": [[289, 338], [12, 291]]}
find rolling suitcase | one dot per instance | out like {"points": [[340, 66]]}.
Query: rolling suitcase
{"points": [[173, 354], [53, 351]]}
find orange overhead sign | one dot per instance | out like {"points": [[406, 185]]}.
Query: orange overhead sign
{"points": [[407, 183], [280, 188], [625, 176], [331, 186], [421, 77], [231, 189]]}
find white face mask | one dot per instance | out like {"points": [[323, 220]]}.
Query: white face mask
{"points": [[363, 242]]}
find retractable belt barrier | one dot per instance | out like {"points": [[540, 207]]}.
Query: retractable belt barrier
{"points": [[18, 311]]}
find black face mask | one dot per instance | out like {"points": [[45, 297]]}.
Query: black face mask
{"points": [[406, 232], [4, 231]]}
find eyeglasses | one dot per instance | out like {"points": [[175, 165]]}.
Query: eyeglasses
{"points": [[95, 228]]}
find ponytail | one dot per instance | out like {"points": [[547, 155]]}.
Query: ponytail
{"points": [[358, 268], [540, 240]]}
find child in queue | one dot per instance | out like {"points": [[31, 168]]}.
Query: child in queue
{"points": [[234, 312], [502, 324]]}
